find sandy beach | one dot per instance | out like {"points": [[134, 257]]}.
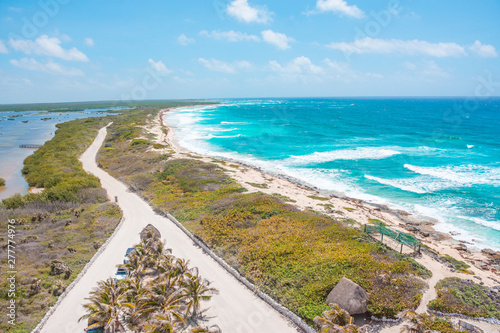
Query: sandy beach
{"points": [[303, 197]]}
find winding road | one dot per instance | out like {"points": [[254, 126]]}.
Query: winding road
{"points": [[236, 309]]}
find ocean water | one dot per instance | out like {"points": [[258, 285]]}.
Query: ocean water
{"points": [[432, 157], [30, 127]]}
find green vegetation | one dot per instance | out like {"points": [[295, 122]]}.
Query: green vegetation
{"points": [[80, 106], [263, 185], [161, 294], [2, 182], [467, 298], [315, 197], [53, 244], [349, 209], [457, 264], [296, 257], [282, 197], [376, 221], [427, 323], [337, 319], [56, 167]]}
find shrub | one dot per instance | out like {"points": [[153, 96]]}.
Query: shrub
{"points": [[466, 297], [15, 201], [2, 182], [139, 142]]}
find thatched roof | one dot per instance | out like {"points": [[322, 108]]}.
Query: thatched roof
{"points": [[150, 232], [349, 296]]}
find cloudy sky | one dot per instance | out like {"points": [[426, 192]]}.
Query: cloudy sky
{"points": [[76, 50]]}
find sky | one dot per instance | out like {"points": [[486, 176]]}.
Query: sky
{"points": [[76, 50]]}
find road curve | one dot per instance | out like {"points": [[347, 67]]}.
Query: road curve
{"points": [[236, 309]]}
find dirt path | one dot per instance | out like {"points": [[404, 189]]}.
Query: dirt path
{"points": [[235, 309]]}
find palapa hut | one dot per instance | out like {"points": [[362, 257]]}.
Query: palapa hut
{"points": [[150, 232], [349, 296]]}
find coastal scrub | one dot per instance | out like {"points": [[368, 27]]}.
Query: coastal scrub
{"points": [[295, 256]]}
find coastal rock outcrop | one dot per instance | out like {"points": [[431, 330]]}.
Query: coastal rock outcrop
{"points": [[349, 296]]}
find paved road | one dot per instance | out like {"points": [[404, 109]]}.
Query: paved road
{"points": [[236, 309]]}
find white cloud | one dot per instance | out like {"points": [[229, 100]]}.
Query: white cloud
{"points": [[277, 39], [299, 65], [185, 40], [339, 6], [89, 41], [224, 67], [44, 45], [230, 36], [484, 50], [411, 47], [426, 70], [242, 11], [3, 48], [50, 67], [159, 66]]}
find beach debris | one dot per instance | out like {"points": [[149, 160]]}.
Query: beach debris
{"points": [[349, 296], [150, 232]]}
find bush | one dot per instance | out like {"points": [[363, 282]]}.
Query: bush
{"points": [[2, 182], [15, 201], [466, 297]]}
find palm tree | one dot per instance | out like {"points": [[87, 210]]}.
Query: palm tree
{"points": [[336, 316], [164, 298], [161, 324], [195, 290], [416, 320], [105, 308], [211, 329], [137, 264]]}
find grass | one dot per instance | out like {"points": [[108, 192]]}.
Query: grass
{"points": [[349, 209], [295, 256], [315, 197], [467, 298], [263, 185], [457, 264], [282, 197], [38, 243]]}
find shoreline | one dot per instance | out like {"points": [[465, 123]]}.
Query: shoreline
{"points": [[358, 210], [305, 197]]}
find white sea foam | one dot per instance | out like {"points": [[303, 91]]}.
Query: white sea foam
{"points": [[465, 175], [398, 183], [374, 153], [234, 123]]}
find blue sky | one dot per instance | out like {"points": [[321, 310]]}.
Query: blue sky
{"points": [[75, 50]]}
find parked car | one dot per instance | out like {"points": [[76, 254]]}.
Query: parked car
{"points": [[94, 330], [121, 273], [129, 250]]}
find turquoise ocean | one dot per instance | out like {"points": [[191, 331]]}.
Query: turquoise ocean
{"points": [[29, 127], [438, 158]]}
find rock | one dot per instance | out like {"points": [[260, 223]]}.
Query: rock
{"points": [[349, 296], [58, 267], [150, 232], [97, 245], [461, 247]]}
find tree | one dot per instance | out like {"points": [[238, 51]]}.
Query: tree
{"points": [[105, 308], [196, 290], [338, 320], [161, 324], [164, 298]]}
